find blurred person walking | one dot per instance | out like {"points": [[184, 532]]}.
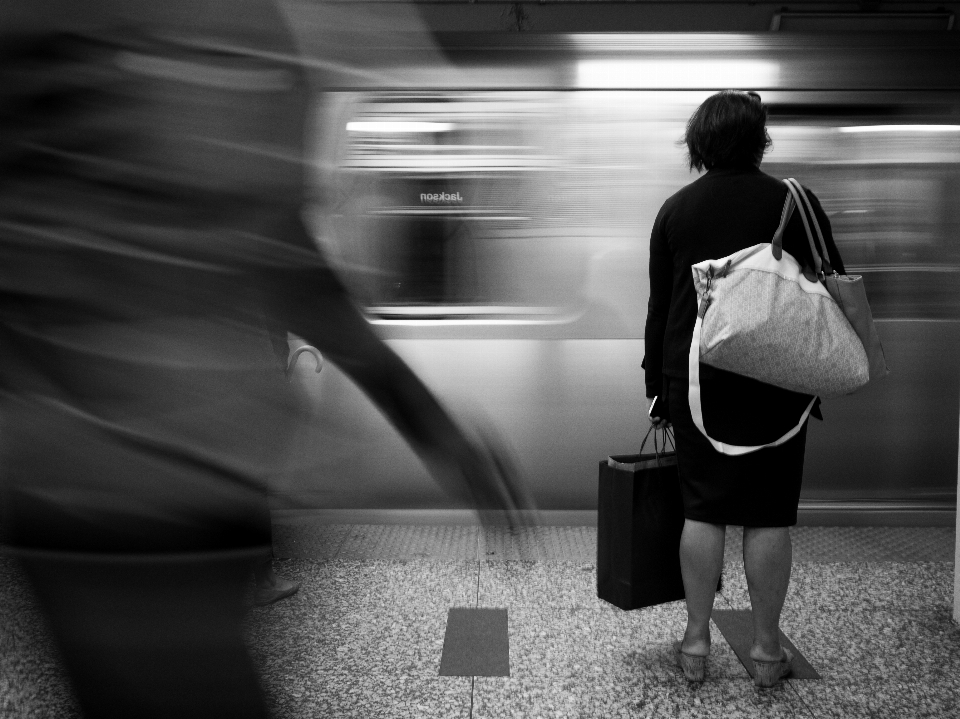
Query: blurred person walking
{"points": [[734, 205], [151, 161]]}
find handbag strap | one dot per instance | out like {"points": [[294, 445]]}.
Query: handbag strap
{"points": [[777, 242], [696, 409], [821, 257]]}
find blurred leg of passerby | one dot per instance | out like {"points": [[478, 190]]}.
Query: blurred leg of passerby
{"points": [[270, 587], [152, 637]]}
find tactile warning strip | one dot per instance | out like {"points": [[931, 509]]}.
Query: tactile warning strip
{"points": [[539, 544], [860, 544], [399, 542], [307, 540]]}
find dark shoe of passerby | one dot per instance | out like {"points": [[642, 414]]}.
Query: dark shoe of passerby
{"points": [[269, 587]]}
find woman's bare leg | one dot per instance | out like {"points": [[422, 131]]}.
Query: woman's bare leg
{"points": [[701, 561], [767, 558]]}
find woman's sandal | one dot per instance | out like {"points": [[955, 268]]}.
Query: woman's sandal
{"points": [[766, 674], [694, 667]]}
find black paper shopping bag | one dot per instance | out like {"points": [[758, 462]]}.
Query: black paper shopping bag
{"points": [[638, 531]]}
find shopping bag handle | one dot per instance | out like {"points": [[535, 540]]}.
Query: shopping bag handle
{"points": [[667, 434]]}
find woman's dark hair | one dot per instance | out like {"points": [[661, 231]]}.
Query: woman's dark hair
{"points": [[727, 130]]}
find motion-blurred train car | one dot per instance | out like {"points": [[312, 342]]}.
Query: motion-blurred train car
{"points": [[489, 199]]}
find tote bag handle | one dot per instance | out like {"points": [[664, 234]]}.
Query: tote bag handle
{"points": [[821, 257]]}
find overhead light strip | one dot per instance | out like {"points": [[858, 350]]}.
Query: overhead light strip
{"points": [[901, 128]]}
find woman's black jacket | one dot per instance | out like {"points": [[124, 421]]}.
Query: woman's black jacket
{"points": [[723, 211]]}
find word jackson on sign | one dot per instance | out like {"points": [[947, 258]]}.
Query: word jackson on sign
{"points": [[440, 197]]}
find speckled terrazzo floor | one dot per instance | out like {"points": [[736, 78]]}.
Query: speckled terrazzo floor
{"points": [[868, 607]]}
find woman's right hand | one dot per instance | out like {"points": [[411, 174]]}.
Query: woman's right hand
{"points": [[657, 422]]}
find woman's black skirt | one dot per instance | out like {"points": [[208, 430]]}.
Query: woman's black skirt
{"points": [[760, 489]]}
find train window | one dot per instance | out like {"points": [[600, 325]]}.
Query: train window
{"points": [[445, 210], [887, 186]]}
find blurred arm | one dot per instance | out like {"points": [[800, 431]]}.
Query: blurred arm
{"points": [[314, 304]]}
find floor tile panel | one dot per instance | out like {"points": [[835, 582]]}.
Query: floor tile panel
{"points": [[640, 697]]}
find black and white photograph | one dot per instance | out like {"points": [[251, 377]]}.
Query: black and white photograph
{"points": [[477, 359]]}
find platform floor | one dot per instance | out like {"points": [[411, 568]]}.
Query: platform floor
{"points": [[869, 607]]}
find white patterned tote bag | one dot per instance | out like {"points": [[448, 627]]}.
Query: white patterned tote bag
{"points": [[760, 317]]}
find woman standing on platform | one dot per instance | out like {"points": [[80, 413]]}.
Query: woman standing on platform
{"points": [[731, 207]]}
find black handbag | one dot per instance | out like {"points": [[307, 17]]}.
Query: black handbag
{"points": [[640, 520]]}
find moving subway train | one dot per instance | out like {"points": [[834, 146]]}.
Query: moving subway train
{"points": [[489, 200]]}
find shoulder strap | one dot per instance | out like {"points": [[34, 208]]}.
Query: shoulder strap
{"points": [[820, 258], [696, 410], [777, 242]]}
